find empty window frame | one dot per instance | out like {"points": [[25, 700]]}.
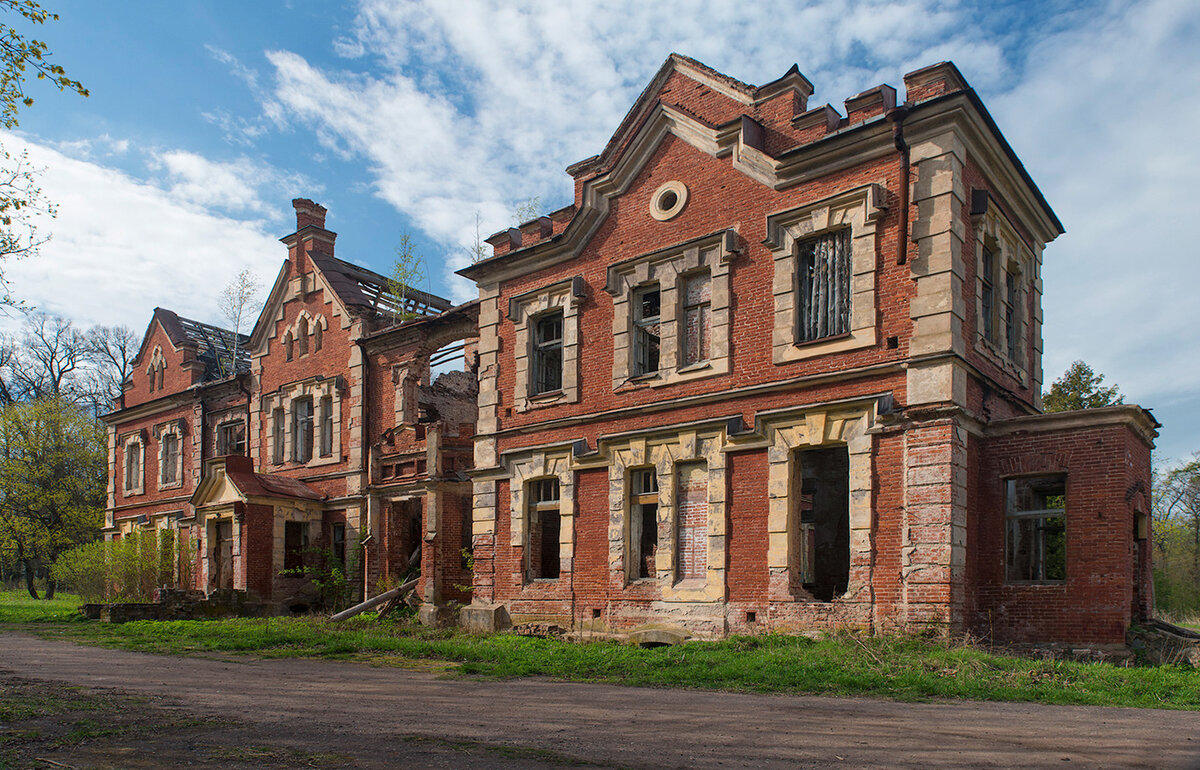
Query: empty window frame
{"points": [[133, 466], [337, 542], [1035, 513], [545, 523], [823, 291], [302, 430], [1011, 324], [278, 430], [231, 438], [326, 426], [647, 315], [987, 295], [295, 540], [548, 353], [697, 318], [821, 534], [643, 523], [169, 463]]}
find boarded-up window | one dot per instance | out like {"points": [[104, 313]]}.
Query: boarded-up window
{"points": [[691, 559], [823, 273], [170, 458], [544, 529], [548, 353], [1036, 524], [697, 317], [643, 523], [647, 313]]}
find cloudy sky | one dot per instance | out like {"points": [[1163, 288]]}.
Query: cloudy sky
{"points": [[206, 118]]}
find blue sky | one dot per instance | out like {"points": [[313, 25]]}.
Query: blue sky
{"points": [[205, 119]]}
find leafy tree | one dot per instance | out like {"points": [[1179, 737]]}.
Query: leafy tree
{"points": [[1080, 388], [20, 195], [408, 273], [53, 474]]}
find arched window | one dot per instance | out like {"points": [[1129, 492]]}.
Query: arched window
{"points": [[302, 335]]}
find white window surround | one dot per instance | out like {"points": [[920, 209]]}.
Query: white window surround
{"points": [[316, 388], [136, 440], [161, 432], [994, 232], [523, 311], [859, 209], [670, 268], [531, 466]]}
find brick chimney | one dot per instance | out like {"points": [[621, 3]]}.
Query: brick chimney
{"points": [[308, 213]]}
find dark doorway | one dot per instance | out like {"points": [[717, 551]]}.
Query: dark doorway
{"points": [[222, 555], [824, 526]]}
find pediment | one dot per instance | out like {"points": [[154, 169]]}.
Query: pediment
{"points": [[216, 488]]}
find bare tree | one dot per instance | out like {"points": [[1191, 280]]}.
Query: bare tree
{"points": [[239, 303], [112, 350], [50, 361]]}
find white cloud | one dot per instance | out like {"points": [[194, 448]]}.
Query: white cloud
{"points": [[232, 186], [122, 246]]}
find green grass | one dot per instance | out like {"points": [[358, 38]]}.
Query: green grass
{"points": [[18, 607], [904, 668]]}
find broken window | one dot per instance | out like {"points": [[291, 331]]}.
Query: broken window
{"points": [[691, 491], [647, 311], [697, 318], [1036, 529], [1010, 313], [821, 537], [295, 540], [544, 525], [643, 522], [326, 426], [277, 435], [823, 273], [302, 430], [231, 438], [987, 295], [133, 466], [337, 543], [548, 353], [169, 472]]}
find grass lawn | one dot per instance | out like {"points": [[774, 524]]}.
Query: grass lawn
{"points": [[905, 668]]}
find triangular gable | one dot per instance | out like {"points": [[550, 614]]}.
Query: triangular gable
{"points": [[232, 479], [168, 321]]}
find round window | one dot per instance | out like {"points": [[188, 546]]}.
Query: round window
{"points": [[668, 201]]}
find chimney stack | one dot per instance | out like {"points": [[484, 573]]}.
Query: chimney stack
{"points": [[308, 213]]}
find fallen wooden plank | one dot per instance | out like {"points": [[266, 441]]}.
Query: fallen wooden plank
{"points": [[375, 601]]}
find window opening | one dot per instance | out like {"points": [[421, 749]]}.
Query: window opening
{"points": [[1036, 524], [1010, 313], [170, 458], [544, 529], [302, 336], [295, 540], [821, 545], [302, 430], [691, 559], [326, 426], [231, 438], [337, 542], [318, 335], [133, 465], [277, 435], [221, 567], [824, 292], [988, 295], [647, 313], [548, 353], [697, 318], [643, 522]]}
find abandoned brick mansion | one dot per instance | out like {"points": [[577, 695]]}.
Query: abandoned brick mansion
{"points": [[776, 368]]}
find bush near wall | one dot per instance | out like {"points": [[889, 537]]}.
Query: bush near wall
{"points": [[127, 570]]}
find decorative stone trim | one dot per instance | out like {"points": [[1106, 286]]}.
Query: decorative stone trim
{"points": [[858, 209], [173, 428], [670, 268], [668, 201], [523, 312], [133, 439], [789, 432], [318, 388], [1011, 255], [540, 464]]}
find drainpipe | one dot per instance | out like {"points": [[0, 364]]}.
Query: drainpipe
{"points": [[896, 117]]}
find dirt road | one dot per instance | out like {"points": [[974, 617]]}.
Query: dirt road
{"points": [[385, 716]]}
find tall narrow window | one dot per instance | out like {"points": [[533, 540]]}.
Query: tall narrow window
{"points": [[231, 438], [821, 535], [548, 353], [133, 466], [337, 542], [289, 346], [327, 426], [544, 529], [691, 558], [647, 312], [318, 335], [169, 471], [823, 273], [987, 295], [1010, 313], [643, 523], [302, 336], [302, 430], [697, 318], [1036, 524], [277, 435], [295, 540]]}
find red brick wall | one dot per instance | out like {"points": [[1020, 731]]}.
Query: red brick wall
{"points": [[258, 542], [692, 502], [746, 493]]}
